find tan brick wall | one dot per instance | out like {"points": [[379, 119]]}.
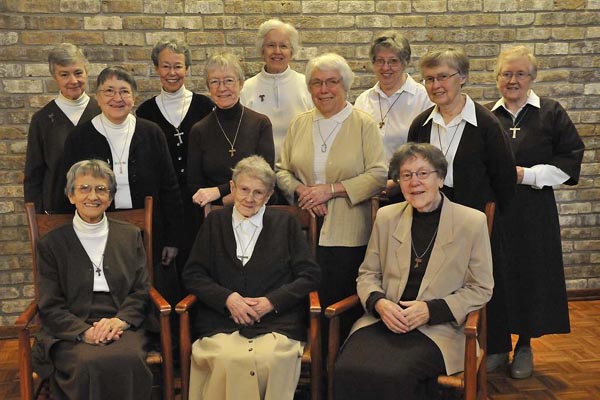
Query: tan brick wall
{"points": [[564, 34]]}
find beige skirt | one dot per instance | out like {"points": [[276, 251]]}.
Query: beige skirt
{"points": [[232, 367]]}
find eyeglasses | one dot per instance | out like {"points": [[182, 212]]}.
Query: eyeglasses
{"points": [[281, 46], [392, 62], [508, 75], [330, 83], [257, 195], [428, 80], [421, 175], [110, 92], [100, 190], [227, 82]]}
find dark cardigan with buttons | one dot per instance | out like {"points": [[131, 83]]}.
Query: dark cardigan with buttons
{"points": [[281, 268]]}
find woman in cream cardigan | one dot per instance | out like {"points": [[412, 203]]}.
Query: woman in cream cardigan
{"points": [[331, 163]]}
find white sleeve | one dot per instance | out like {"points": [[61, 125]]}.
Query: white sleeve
{"points": [[542, 175]]}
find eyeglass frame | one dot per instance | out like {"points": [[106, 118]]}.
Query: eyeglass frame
{"points": [[429, 80], [508, 75], [329, 83], [405, 177], [124, 93], [99, 190], [256, 195], [392, 62], [227, 82]]}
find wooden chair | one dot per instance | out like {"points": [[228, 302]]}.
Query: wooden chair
{"points": [[28, 321], [311, 373], [472, 381]]}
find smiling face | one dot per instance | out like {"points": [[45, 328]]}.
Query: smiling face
{"points": [[515, 91], [447, 93], [390, 78], [329, 97], [249, 194], [424, 195], [71, 79], [115, 108], [171, 69], [90, 206], [277, 51], [223, 95]]}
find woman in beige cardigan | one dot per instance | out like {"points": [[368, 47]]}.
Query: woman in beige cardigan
{"points": [[428, 265], [331, 163]]}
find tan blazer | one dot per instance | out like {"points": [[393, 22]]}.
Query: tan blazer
{"points": [[459, 270], [356, 159]]}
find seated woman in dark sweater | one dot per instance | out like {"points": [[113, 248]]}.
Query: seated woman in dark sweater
{"points": [[226, 135], [251, 270]]}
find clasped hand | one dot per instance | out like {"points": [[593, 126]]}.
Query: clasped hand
{"points": [[247, 310], [314, 198], [403, 317], [104, 331]]}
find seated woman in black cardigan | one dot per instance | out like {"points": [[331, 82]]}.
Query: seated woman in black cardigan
{"points": [[251, 270]]}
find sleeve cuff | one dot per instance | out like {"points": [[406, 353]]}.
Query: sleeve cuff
{"points": [[528, 177], [439, 312], [374, 297]]}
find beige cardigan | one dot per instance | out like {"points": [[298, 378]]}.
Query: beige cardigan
{"points": [[459, 270], [356, 159]]}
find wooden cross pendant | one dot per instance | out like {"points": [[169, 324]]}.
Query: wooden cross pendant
{"points": [[98, 271], [381, 124], [262, 97], [242, 257], [178, 136], [514, 130], [231, 152], [418, 262]]}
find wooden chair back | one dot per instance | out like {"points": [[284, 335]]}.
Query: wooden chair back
{"points": [[311, 373], [40, 225]]}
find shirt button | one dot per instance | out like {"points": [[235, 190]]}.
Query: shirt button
{"points": [[178, 144], [251, 373], [182, 170], [250, 349], [179, 158]]}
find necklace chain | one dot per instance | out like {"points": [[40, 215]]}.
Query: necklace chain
{"points": [[232, 144], [515, 128], [451, 139], [382, 122], [112, 147], [324, 145], [419, 258], [244, 248]]}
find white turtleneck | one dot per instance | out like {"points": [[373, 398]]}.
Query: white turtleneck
{"points": [[174, 106], [119, 139], [93, 238], [73, 109]]}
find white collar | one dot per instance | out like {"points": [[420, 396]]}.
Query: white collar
{"points": [[532, 99], [256, 220], [340, 117], [123, 126], [178, 94], [281, 75], [409, 86], [81, 100], [467, 114], [82, 227]]}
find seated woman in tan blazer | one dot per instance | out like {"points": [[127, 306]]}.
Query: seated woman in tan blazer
{"points": [[428, 264]]}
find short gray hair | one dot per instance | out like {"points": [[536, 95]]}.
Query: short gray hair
{"points": [[427, 151], [176, 46], [66, 54], [514, 53], [95, 168], [272, 24], [330, 62], [116, 72], [255, 167], [454, 57], [224, 61], [394, 42]]}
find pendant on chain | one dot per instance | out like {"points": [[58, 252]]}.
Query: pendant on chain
{"points": [[323, 148], [381, 124]]}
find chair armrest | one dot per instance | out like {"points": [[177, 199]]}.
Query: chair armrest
{"points": [[341, 306], [186, 303], [315, 303], [27, 316], [159, 302], [472, 323]]}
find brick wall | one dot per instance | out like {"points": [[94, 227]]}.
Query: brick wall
{"points": [[564, 35]]}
